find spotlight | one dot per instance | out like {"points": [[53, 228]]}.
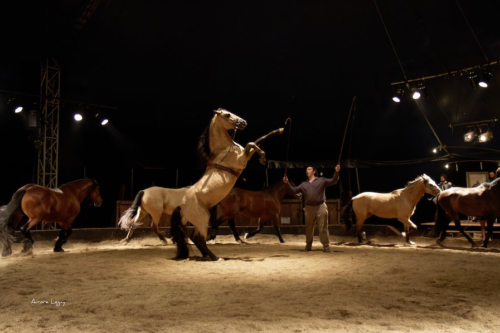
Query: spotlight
{"points": [[469, 136], [447, 166], [78, 117], [415, 93], [435, 150], [486, 136], [473, 79], [398, 95], [18, 109], [101, 118], [104, 121], [483, 83]]}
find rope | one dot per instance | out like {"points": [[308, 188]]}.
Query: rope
{"points": [[288, 120]]}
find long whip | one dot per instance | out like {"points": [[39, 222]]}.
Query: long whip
{"points": [[288, 120], [353, 106]]}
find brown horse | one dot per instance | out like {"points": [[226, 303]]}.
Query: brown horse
{"points": [[483, 200], [41, 204], [264, 205]]}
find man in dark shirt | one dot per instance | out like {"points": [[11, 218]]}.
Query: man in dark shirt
{"points": [[315, 208]]}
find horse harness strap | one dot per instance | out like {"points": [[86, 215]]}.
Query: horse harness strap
{"points": [[223, 168]]}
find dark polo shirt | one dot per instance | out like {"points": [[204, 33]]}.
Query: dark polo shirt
{"points": [[314, 193]]}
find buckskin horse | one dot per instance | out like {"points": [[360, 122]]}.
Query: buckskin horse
{"points": [[398, 204], [153, 201], [42, 204], [224, 160], [482, 200], [263, 205]]}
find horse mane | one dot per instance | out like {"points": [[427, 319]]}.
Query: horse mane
{"points": [[94, 182], [412, 182], [204, 148]]}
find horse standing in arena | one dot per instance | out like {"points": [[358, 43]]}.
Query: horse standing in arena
{"points": [[153, 201], [41, 204], [482, 200], [224, 160], [398, 204], [264, 205]]}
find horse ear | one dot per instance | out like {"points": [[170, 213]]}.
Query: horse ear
{"points": [[218, 111]]}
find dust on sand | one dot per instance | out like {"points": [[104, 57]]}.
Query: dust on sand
{"points": [[263, 286]]}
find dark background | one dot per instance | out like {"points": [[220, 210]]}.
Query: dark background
{"points": [[165, 65]]}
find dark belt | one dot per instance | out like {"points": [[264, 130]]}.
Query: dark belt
{"points": [[221, 167]]}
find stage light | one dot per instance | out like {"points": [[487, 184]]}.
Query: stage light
{"points": [[486, 136], [104, 121], [435, 150], [18, 109], [101, 118], [78, 117], [415, 93], [447, 166], [483, 83], [473, 79], [469, 136], [398, 95]]}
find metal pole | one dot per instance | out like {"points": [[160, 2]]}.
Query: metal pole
{"points": [[176, 178], [357, 179]]}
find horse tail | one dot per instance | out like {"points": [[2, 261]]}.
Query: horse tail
{"points": [[127, 221], [6, 212], [178, 235], [347, 215]]}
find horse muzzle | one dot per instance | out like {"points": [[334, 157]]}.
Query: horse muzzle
{"points": [[240, 124], [97, 203]]}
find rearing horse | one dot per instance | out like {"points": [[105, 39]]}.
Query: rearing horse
{"points": [[264, 205], [225, 160], [482, 200], [42, 204], [398, 204]]}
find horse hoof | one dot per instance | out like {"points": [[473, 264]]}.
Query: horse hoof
{"points": [[124, 241], [58, 249], [7, 252], [245, 236], [410, 242], [282, 241]]}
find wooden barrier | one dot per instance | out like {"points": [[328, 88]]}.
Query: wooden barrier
{"points": [[291, 214]]}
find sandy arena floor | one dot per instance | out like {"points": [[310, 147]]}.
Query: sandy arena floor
{"points": [[260, 287]]}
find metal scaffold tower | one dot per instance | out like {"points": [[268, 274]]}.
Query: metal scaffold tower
{"points": [[50, 93]]}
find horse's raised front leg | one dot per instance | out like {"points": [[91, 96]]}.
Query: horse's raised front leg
{"points": [[253, 147], [409, 226], [256, 231], [215, 229], [28, 240], [359, 226], [232, 225]]}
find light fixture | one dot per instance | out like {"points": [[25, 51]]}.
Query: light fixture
{"points": [[435, 150], [473, 79], [415, 93], [78, 117], [447, 166], [483, 83], [101, 118], [486, 136], [18, 109], [469, 136], [398, 95]]}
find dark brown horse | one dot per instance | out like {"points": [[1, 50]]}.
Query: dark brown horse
{"points": [[483, 200], [264, 205], [41, 204]]}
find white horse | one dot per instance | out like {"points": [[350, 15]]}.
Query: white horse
{"points": [[398, 204], [225, 160], [153, 201]]}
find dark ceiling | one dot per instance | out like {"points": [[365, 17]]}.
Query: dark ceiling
{"points": [[167, 64]]}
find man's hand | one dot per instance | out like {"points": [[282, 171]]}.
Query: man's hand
{"points": [[337, 168], [285, 179]]}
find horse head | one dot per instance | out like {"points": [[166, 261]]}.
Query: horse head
{"points": [[430, 186], [231, 121], [93, 194]]}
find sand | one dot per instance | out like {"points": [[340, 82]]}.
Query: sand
{"points": [[260, 287]]}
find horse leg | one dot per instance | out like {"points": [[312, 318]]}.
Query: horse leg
{"points": [[256, 231], [201, 244], [62, 239], [232, 225], [215, 228], [28, 240], [489, 233], [179, 233], [408, 227], [276, 225], [359, 226], [462, 231], [129, 236]]}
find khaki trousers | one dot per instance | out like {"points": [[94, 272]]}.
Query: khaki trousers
{"points": [[318, 214]]}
